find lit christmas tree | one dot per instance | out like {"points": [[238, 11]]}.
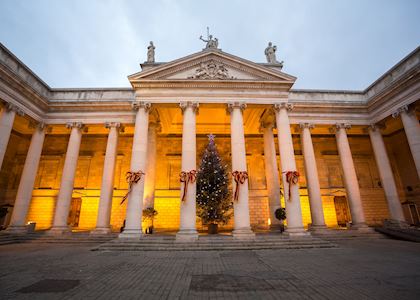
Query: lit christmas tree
{"points": [[214, 204]]}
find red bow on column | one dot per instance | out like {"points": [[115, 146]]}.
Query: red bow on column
{"points": [[239, 178], [131, 178], [186, 178], [292, 177]]}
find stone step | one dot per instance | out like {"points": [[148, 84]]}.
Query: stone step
{"points": [[335, 235], [6, 238], [407, 234], [142, 242], [203, 243], [364, 237], [208, 242], [212, 247]]}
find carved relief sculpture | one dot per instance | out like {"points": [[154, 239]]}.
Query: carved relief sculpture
{"points": [[211, 70]]}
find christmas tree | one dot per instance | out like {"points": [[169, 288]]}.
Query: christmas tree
{"points": [[214, 204]]}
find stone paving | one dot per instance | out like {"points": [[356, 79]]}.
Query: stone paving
{"points": [[372, 269]]}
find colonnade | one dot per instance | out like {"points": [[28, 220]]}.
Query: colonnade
{"points": [[144, 155]]}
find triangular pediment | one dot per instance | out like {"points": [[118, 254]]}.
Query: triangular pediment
{"points": [[212, 65]]}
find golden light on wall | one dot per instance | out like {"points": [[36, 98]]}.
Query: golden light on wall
{"points": [[167, 204]]}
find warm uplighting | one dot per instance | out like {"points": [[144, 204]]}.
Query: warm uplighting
{"points": [[269, 222]]}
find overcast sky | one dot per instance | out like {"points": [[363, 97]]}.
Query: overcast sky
{"points": [[325, 44]]}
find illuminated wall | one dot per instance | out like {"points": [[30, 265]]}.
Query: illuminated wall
{"points": [[167, 202]]}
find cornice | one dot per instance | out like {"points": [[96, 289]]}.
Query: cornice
{"points": [[15, 66], [400, 68], [234, 84]]}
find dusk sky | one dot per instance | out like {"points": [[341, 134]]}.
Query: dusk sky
{"points": [[325, 44]]}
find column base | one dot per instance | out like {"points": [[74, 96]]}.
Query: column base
{"points": [[59, 230], [101, 231], [361, 227], [16, 230], [319, 229], [130, 234], [243, 234], [186, 235], [395, 224], [297, 232], [276, 227]]}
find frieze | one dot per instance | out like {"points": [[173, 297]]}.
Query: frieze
{"points": [[234, 84]]}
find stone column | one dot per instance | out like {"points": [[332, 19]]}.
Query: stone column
{"points": [[7, 118], [412, 130], [288, 164], [242, 227], [386, 174], [27, 180], [67, 180], [271, 172], [150, 179], [311, 171], [187, 228], [138, 164], [107, 185], [350, 177]]}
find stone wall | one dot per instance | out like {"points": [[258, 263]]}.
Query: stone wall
{"points": [[402, 163], [11, 170]]}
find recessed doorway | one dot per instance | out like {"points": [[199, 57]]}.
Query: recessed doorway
{"points": [[342, 211], [74, 214]]}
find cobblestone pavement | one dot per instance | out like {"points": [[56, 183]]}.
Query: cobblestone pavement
{"points": [[377, 269]]}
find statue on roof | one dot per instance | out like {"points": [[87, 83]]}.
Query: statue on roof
{"points": [[151, 53], [270, 54], [210, 42]]}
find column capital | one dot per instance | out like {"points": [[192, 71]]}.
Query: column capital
{"points": [[374, 127], [12, 107], [156, 126], [232, 106], [117, 125], [266, 124], [400, 110], [306, 125], [78, 125], [283, 105], [339, 126], [186, 104], [39, 125], [136, 105]]}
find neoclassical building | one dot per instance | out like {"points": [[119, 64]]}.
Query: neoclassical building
{"points": [[333, 159]]}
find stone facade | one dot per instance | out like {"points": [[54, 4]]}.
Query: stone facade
{"points": [[260, 94]]}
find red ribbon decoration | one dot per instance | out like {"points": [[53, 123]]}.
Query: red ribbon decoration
{"points": [[186, 178], [239, 178], [131, 178], [292, 177]]}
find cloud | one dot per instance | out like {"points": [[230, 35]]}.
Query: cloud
{"points": [[326, 44]]}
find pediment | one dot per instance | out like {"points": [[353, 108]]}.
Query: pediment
{"points": [[211, 65]]}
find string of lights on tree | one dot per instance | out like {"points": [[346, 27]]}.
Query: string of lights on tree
{"points": [[214, 204]]}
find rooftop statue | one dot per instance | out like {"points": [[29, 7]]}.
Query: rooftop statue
{"points": [[151, 53], [270, 54], [210, 42]]}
